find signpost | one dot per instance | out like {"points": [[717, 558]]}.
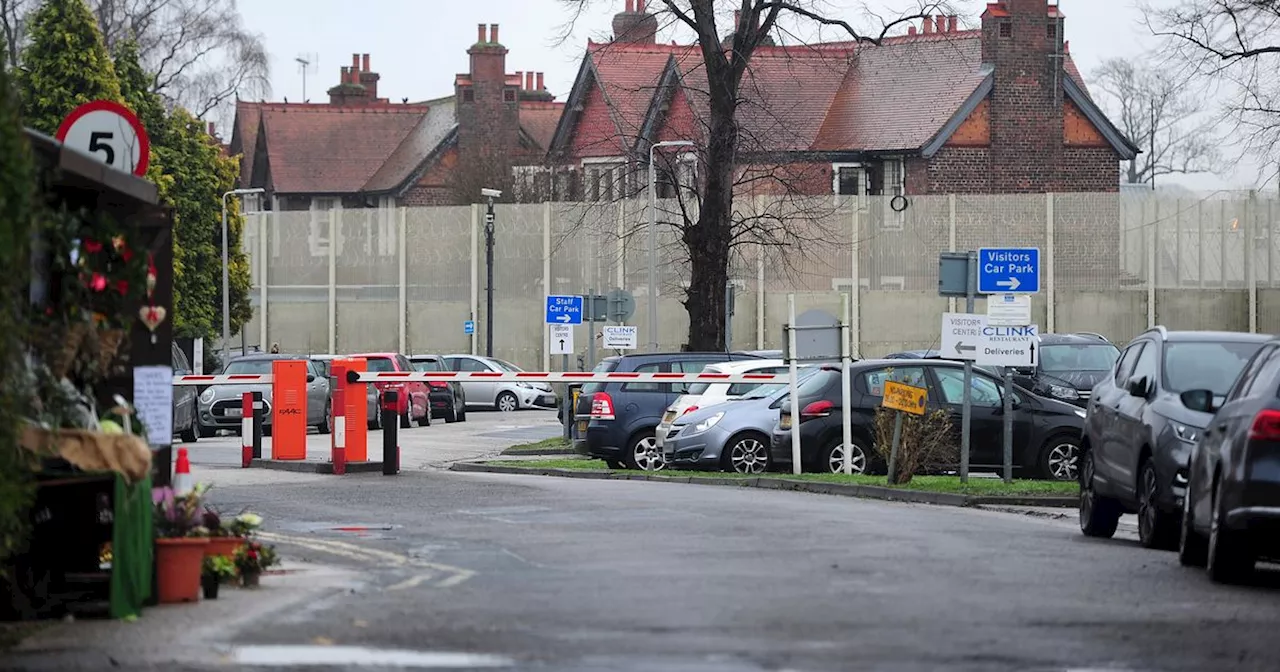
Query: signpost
{"points": [[621, 337], [563, 309], [1007, 270], [110, 133], [561, 339], [902, 398]]}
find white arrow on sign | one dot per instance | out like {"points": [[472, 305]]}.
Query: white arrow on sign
{"points": [[563, 318], [1012, 283]]}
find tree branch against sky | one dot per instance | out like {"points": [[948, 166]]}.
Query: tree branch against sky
{"points": [[1138, 98], [708, 235], [1232, 47]]}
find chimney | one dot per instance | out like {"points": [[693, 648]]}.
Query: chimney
{"points": [[635, 25], [493, 33], [928, 26], [364, 63], [942, 23], [355, 62], [640, 6], [528, 81], [480, 36], [520, 78], [541, 86], [631, 6], [1066, 47], [911, 30], [953, 23], [368, 78]]}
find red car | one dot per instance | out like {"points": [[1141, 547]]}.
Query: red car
{"points": [[414, 401]]}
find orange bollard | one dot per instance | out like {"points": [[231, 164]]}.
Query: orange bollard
{"points": [[289, 410], [356, 408]]}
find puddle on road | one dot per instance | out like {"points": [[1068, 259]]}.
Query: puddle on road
{"points": [[358, 656]]}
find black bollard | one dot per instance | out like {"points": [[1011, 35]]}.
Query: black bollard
{"points": [[259, 414], [390, 433]]}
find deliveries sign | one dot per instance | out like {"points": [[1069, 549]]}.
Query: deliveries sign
{"points": [[905, 398]]}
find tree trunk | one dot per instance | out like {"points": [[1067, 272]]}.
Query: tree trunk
{"points": [[709, 240]]}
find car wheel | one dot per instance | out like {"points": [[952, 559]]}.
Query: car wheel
{"points": [[1229, 559], [1193, 549], [325, 426], [406, 419], [191, 434], [1157, 528], [1099, 515], [644, 453], [1060, 458], [833, 460], [425, 419], [375, 419], [452, 414], [746, 454], [507, 402], [205, 432]]}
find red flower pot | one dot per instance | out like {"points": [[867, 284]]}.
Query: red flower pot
{"points": [[225, 546], [178, 564]]}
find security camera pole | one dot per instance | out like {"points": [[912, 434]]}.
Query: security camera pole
{"points": [[488, 261]]}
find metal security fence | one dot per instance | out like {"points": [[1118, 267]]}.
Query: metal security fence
{"points": [[407, 279]]}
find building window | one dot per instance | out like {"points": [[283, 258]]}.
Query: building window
{"points": [[1051, 31], [849, 180], [604, 180], [509, 96], [468, 95], [892, 185], [322, 213], [1006, 29]]}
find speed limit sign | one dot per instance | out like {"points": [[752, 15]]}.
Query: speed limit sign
{"points": [[109, 132]]}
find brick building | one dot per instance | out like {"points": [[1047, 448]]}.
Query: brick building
{"points": [[360, 150], [999, 109]]}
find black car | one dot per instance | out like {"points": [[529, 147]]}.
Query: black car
{"points": [[1231, 514], [616, 420], [448, 400], [1046, 433], [1138, 434], [1068, 366]]}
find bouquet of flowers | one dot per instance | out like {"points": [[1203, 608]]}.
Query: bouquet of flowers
{"points": [[253, 558], [244, 524], [178, 515]]}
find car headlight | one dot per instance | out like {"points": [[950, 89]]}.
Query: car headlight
{"points": [[206, 397], [524, 386], [707, 424], [1068, 393], [1187, 433]]}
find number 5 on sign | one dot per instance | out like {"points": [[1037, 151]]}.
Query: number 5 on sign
{"points": [[108, 132]]}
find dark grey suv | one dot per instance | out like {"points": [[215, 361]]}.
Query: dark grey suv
{"points": [[1138, 435]]}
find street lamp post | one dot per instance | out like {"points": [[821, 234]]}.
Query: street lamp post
{"points": [[226, 277], [490, 194], [653, 240]]}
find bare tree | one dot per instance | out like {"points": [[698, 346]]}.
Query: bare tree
{"points": [[708, 232], [1161, 114], [1233, 46], [13, 23]]}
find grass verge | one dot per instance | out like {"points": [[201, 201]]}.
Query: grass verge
{"points": [[989, 487], [545, 445]]}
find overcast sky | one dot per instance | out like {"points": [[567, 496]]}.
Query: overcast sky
{"points": [[418, 45]]}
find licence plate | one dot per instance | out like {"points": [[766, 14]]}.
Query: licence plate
{"points": [[668, 417], [785, 422], [233, 412]]}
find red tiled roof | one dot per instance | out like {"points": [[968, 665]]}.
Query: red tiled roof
{"points": [[432, 129], [628, 75], [244, 137], [316, 148], [539, 119]]}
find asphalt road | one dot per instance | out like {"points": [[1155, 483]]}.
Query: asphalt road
{"points": [[565, 574]]}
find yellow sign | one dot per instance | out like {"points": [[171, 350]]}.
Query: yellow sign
{"points": [[905, 398]]}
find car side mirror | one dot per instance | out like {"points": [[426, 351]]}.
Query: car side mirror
{"points": [[1138, 387], [1199, 400], [311, 377]]}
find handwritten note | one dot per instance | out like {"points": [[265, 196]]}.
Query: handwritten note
{"points": [[153, 399]]}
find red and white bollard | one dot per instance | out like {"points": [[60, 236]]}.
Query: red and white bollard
{"points": [[339, 445], [246, 429]]}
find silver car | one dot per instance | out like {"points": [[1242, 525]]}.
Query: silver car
{"points": [[733, 435], [221, 405], [503, 396]]}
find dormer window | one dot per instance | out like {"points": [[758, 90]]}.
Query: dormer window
{"points": [[468, 95]]}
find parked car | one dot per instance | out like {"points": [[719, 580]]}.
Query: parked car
{"points": [[503, 396], [373, 411], [1231, 514], [221, 405], [413, 400], [1046, 433], [617, 420], [732, 435], [701, 395], [448, 400], [1068, 366], [1138, 434], [915, 354], [186, 410]]}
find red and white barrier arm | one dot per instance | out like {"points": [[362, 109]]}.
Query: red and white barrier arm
{"points": [[560, 377], [233, 379]]}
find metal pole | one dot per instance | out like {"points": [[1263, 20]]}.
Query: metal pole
{"points": [[795, 403], [488, 290], [1008, 424], [966, 414], [226, 287], [893, 449], [653, 253], [565, 401], [390, 432], [591, 323], [846, 412], [728, 316]]}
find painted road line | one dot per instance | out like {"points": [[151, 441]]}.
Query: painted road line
{"points": [[454, 575]]}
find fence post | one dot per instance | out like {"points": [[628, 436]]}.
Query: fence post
{"points": [[1050, 288], [546, 280], [334, 227], [855, 292], [1223, 233], [951, 239], [1200, 233], [1250, 260], [475, 272], [402, 247], [263, 264], [1151, 263], [760, 294]]}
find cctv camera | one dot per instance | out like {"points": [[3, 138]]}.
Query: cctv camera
{"points": [[491, 193]]}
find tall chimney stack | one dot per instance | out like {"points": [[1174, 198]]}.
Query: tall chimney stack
{"points": [[355, 62], [480, 36], [541, 86], [493, 33], [528, 81]]}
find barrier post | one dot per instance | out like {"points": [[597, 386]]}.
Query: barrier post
{"points": [[289, 410], [246, 429], [355, 410], [258, 416], [390, 433], [338, 439]]}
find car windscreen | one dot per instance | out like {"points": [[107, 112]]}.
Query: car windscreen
{"points": [[507, 366], [1065, 357], [1205, 365], [605, 366], [379, 365], [426, 365], [249, 366]]}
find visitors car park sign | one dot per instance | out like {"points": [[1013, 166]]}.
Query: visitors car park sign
{"points": [[967, 336], [1008, 270]]}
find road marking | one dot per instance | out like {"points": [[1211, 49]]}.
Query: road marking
{"points": [[411, 583], [356, 656], [456, 575]]}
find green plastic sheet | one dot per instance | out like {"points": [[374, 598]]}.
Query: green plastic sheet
{"points": [[132, 548]]}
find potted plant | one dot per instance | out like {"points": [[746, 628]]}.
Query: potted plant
{"points": [[217, 569], [244, 524], [252, 559], [180, 544], [223, 539]]}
